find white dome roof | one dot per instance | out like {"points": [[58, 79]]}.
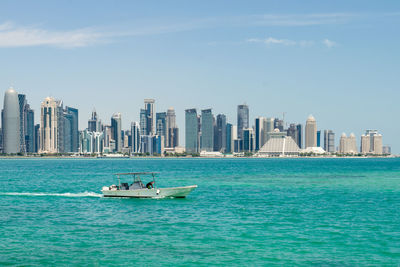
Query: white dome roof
{"points": [[343, 135], [276, 130], [352, 135], [11, 91], [311, 118]]}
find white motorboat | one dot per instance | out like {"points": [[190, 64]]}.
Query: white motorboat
{"points": [[138, 190]]}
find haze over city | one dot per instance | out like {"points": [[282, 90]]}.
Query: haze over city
{"points": [[337, 61]]}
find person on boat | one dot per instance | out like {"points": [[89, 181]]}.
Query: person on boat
{"points": [[149, 185]]}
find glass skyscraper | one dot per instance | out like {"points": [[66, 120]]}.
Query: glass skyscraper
{"points": [[220, 133], [73, 117], [135, 136], [207, 130], [242, 119], [161, 125], [116, 131], [191, 131], [329, 141], [299, 135], [229, 140], [149, 109]]}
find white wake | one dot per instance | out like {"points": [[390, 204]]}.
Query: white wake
{"points": [[84, 194]]}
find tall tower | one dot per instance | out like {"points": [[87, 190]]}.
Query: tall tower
{"points": [[11, 123], [171, 139], [116, 131], [135, 136], [299, 136], [311, 132], [30, 130], [22, 121], [51, 128], [191, 131], [161, 125], [329, 141], [260, 132], [220, 133], [93, 123], [242, 119], [207, 130], [149, 108], [71, 118]]}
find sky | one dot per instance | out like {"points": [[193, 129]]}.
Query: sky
{"points": [[337, 60]]}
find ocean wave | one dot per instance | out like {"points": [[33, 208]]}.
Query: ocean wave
{"points": [[84, 194]]}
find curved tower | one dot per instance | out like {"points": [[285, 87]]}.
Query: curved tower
{"points": [[311, 132], [11, 125]]}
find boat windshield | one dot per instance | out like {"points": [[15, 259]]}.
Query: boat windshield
{"points": [[137, 182]]}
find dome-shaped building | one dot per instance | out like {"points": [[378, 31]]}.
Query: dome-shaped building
{"points": [[10, 120]]}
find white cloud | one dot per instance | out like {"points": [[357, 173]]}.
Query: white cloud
{"points": [[15, 36], [302, 19], [287, 42], [271, 41], [328, 43]]}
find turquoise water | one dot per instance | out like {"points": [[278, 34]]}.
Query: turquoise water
{"points": [[244, 212]]}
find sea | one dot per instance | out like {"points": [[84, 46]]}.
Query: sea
{"points": [[245, 212]]}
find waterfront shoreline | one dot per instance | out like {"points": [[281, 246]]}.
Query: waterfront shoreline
{"points": [[173, 157]]}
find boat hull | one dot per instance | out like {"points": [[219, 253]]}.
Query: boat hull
{"points": [[173, 192]]}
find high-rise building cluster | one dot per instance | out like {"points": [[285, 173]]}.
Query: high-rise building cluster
{"points": [[157, 132], [153, 134], [206, 133], [57, 132]]}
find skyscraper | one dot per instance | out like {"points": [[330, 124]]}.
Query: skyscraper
{"points": [[292, 131], [67, 132], [318, 138], [311, 132], [94, 122], [1, 141], [269, 128], [72, 116], [299, 137], [170, 139], [143, 122], [348, 145], [135, 136], [37, 138], [248, 140], [242, 119], [116, 135], [174, 136], [260, 132], [161, 125], [22, 121], [229, 138], [30, 143], [279, 124], [149, 108], [329, 141], [191, 131], [107, 138], [51, 126], [207, 130], [220, 133], [371, 142], [11, 123]]}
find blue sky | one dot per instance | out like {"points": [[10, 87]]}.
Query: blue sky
{"points": [[337, 60]]}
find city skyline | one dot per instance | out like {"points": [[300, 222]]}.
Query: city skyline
{"points": [[304, 58], [58, 132]]}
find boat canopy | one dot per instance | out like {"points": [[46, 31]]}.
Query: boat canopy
{"points": [[136, 178], [136, 173]]}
